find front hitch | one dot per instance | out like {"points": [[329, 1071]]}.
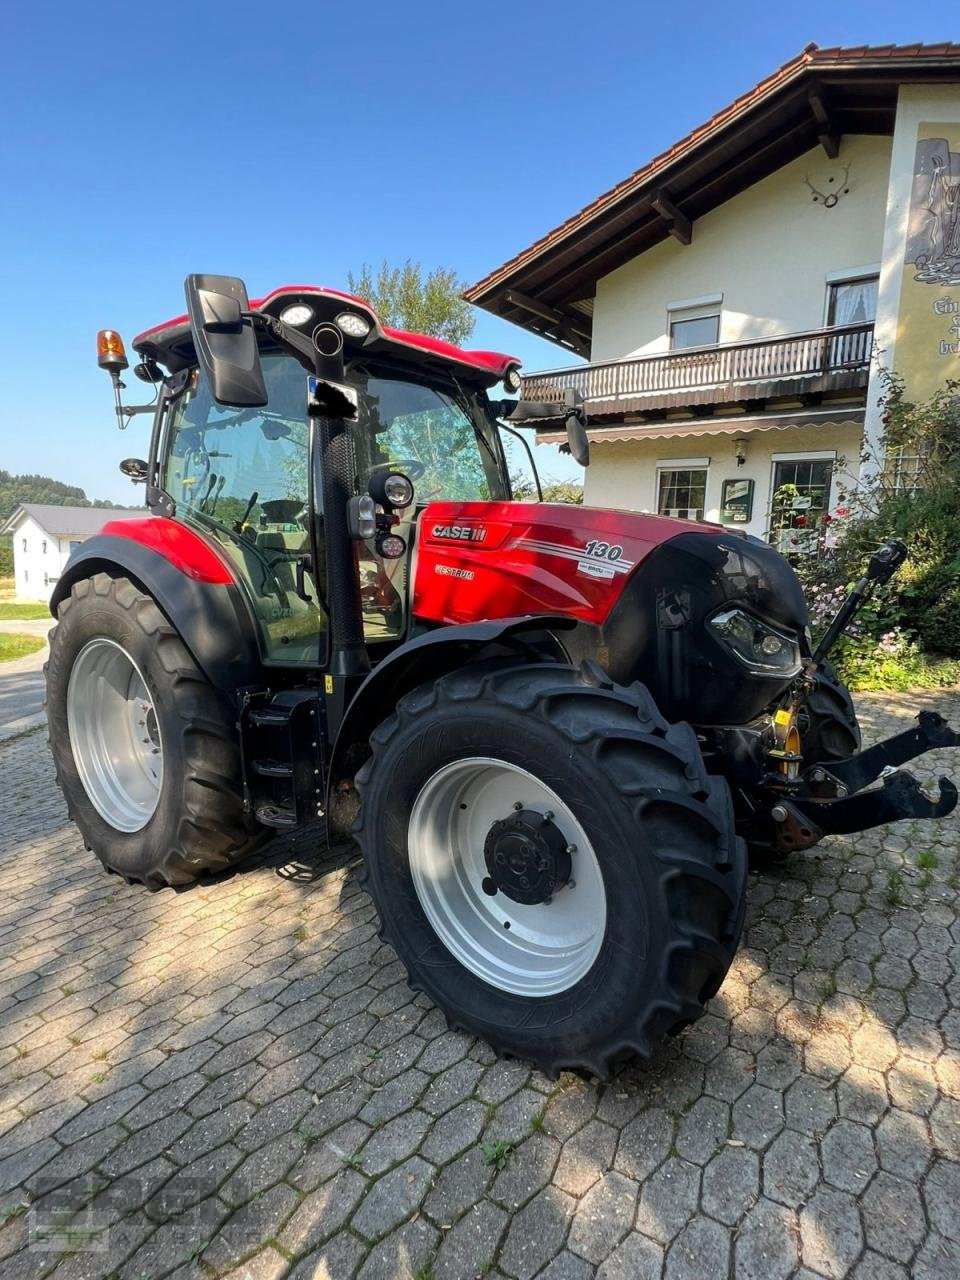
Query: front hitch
{"points": [[829, 797]]}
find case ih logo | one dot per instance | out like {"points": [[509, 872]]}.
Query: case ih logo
{"points": [[459, 532]]}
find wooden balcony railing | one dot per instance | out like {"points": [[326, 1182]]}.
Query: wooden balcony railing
{"points": [[820, 352]]}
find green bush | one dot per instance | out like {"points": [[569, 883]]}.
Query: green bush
{"points": [[910, 632]]}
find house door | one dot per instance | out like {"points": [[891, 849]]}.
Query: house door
{"points": [[801, 497]]}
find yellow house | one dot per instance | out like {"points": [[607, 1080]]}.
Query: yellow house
{"points": [[736, 298]]}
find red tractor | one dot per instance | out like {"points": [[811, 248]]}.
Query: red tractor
{"points": [[553, 730]]}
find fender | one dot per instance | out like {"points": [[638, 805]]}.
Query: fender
{"points": [[428, 657], [212, 616]]}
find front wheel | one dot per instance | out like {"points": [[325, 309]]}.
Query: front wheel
{"points": [[146, 750], [551, 861]]}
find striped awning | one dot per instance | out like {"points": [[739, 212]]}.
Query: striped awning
{"points": [[714, 426]]}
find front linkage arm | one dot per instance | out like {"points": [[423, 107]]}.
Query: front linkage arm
{"points": [[803, 817]]}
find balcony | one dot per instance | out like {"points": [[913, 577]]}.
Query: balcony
{"points": [[797, 364]]}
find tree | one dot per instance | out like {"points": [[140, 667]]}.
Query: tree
{"points": [[406, 299]]}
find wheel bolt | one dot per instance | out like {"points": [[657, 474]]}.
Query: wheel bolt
{"points": [[518, 805], [571, 848]]}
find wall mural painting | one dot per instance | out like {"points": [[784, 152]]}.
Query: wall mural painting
{"points": [[928, 331]]}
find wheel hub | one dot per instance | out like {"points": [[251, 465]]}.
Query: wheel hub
{"points": [[527, 857]]}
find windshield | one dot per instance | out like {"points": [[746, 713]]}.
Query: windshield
{"points": [[437, 437]]}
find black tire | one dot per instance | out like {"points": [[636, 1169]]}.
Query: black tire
{"points": [[828, 722], [662, 830], [199, 824]]}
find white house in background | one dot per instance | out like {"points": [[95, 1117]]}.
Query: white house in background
{"points": [[43, 538], [735, 298]]}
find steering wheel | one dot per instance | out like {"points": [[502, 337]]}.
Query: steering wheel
{"points": [[410, 467]]}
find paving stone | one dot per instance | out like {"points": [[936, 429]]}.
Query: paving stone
{"points": [[567, 1266], [941, 1195], [731, 1183], [703, 1130], [536, 1233], [766, 1243], [848, 1157], [469, 1248], [809, 1106], [668, 1200], [939, 1259], [945, 1127], [250, 1226], [603, 1217], [758, 1116], [450, 1087], [700, 1252], [893, 1216], [454, 1132], [404, 1255], [873, 1267], [645, 1144], [392, 1198], [262, 1169], [394, 1141], [585, 1157], [458, 1185], [338, 1257], [322, 1213], [527, 1170], [904, 1144], [323, 1157], [831, 1239]]}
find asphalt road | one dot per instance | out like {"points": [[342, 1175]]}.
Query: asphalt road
{"points": [[21, 681]]}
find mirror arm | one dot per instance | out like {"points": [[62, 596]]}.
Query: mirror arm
{"points": [[533, 466], [296, 343]]}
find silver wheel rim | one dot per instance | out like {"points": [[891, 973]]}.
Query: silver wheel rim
{"points": [[114, 735], [530, 950]]}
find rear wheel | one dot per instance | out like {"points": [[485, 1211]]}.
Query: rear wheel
{"points": [[551, 861], [145, 748]]}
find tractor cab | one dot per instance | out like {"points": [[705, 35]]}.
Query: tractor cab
{"points": [[423, 428]]}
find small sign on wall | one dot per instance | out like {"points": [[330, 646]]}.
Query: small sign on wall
{"points": [[736, 506]]}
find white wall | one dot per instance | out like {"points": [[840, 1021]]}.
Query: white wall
{"points": [[36, 569], [624, 474], [769, 251]]}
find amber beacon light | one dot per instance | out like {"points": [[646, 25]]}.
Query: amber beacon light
{"points": [[110, 350]]}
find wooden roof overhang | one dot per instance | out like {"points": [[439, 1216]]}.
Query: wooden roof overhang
{"points": [[813, 100]]}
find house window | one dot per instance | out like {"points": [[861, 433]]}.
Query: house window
{"points": [[852, 301], [902, 470], [24, 543], [43, 547], [801, 498], [682, 491], [693, 330]]}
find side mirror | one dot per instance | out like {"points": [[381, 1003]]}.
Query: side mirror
{"points": [[576, 423], [225, 341]]}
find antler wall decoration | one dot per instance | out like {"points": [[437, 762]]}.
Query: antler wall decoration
{"points": [[830, 198]]}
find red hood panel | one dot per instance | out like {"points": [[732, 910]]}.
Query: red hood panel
{"points": [[480, 560]]}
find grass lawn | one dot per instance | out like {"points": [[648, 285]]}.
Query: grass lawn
{"points": [[19, 646], [22, 612]]}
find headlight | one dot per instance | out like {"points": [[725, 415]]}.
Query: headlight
{"points": [[353, 325], [757, 645], [296, 315], [512, 379], [397, 489]]}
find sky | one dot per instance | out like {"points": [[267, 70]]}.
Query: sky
{"points": [[293, 142]]}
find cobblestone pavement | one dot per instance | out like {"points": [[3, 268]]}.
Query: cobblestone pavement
{"points": [[236, 1079]]}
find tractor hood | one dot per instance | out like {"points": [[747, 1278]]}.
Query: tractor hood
{"points": [[655, 593]]}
